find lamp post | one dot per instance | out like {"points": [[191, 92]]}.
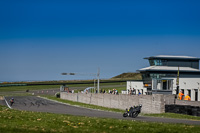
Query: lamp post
{"points": [[94, 74], [177, 83]]}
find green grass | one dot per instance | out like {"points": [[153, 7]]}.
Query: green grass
{"points": [[42, 87], [173, 115], [24, 88], [14, 121], [84, 105]]}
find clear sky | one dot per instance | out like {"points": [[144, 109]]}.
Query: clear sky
{"points": [[40, 39]]}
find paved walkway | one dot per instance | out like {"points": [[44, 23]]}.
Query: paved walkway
{"points": [[32, 103]]}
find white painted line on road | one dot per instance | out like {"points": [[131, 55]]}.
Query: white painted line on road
{"points": [[7, 103]]}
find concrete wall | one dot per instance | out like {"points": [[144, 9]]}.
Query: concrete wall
{"points": [[156, 103], [150, 103], [191, 103]]}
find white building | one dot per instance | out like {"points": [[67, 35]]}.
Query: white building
{"points": [[161, 76]]}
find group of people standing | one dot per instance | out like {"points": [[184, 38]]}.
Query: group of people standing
{"points": [[181, 96], [114, 91], [133, 92]]}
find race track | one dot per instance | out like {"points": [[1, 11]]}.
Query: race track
{"points": [[33, 103]]}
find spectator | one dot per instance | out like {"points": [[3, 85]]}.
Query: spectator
{"points": [[180, 95], [187, 97], [139, 93], [116, 92], [130, 91], [113, 91], [133, 91]]}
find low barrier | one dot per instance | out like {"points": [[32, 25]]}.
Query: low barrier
{"points": [[183, 109], [156, 103], [151, 103]]}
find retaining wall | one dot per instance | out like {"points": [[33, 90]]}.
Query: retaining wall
{"points": [[150, 103], [156, 103]]}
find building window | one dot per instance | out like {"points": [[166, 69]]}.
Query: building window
{"points": [[151, 62], [157, 62], [160, 84], [157, 76]]}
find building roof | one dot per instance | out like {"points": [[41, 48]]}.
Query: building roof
{"points": [[172, 57], [169, 68]]}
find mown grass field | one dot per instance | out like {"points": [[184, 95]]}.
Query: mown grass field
{"points": [[24, 88], [103, 86], [15, 121]]}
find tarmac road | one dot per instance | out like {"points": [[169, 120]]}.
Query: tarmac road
{"points": [[33, 103]]}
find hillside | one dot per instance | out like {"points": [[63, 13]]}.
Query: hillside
{"points": [[133, 76]]}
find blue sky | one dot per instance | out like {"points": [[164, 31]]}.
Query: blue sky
{"points": [[41, 39]]}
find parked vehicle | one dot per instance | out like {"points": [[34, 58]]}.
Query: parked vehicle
{"points": [[133, 111]]}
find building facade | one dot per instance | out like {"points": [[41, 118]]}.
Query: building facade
{"points": [[162, 74]]}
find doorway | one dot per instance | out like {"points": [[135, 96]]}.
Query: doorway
{"points": [[196, 94]]}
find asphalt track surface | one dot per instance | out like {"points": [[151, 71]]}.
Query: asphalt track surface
{"points": [[33, 103]]}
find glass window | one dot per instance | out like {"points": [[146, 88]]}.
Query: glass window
{"points": [[157, 62], [157, 76], [151, 62]]}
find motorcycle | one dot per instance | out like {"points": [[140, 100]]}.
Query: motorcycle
{"points": [[133, 111], [11, 102]]}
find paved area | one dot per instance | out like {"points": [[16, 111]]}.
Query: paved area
{"points": [[32, 103]]}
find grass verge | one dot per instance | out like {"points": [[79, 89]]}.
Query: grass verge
{"points": [[174, 115], [84, 105], [15, 121]]}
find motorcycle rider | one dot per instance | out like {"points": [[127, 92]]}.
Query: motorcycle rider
{"points": [[11, 101]]}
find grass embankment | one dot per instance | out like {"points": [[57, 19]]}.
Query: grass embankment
{"points": [[129, 76], [15, 121]]}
